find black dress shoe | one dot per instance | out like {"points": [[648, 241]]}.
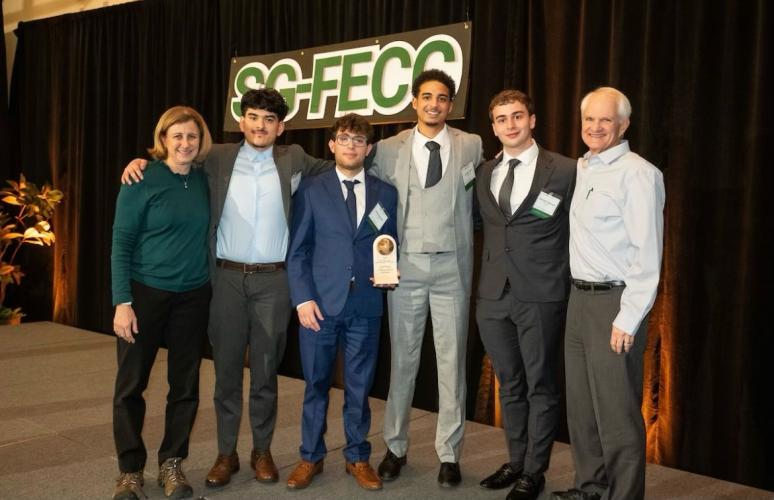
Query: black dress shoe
{"points": [[449, 475], [389, 469], [574, 494], [527, 488], [504, 477]]}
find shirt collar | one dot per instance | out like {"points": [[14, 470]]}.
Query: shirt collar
{"points": [[526, 157], [359, 177], [253, 154], [608, 156], [442, 138]]}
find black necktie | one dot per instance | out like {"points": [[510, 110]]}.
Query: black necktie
{"points": [[504, 197], [433, 164], [352, 203]]}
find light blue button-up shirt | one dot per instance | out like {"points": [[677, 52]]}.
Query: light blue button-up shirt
{"points": [[253, 228]]}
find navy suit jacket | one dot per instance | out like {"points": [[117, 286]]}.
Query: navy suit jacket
{"points": [[324, 254]]}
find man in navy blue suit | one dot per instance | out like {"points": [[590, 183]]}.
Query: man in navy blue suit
{"points": [[337, 217]]}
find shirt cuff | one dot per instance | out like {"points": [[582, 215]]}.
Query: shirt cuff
{"points": [[303, 303]]}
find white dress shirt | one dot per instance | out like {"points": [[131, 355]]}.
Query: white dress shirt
{"points": [[360, 191], [420, 155], [253, 228], [617, 228], [522, 175]]}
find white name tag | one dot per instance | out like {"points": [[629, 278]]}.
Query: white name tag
{"points": [[545, 205], [377, 217], [294, 182], [468, 175]]}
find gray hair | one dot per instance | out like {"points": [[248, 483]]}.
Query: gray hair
{"points": [[623, 105]]}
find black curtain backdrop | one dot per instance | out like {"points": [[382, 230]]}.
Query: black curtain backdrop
{"points": [[88, 88]]}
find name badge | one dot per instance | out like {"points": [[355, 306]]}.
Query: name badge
{"points": [[377, 217], [468, 175], [545, 205], [294, 182]]}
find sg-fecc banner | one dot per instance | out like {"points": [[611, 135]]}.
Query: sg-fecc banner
{"points": [[371, 77]]}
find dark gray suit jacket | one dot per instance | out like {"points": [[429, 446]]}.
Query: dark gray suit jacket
{"points": [[532, 253], [290, 160]]}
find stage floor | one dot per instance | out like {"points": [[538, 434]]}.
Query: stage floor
{"points": [[56, 436]]}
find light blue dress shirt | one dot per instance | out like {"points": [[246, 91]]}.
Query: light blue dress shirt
{"points": [[253, 228]]}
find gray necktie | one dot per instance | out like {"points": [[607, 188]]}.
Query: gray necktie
{"points": [[504, 197], [433, 164]]}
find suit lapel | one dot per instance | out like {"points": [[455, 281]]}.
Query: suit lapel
{"points": [[372, 197], [543, 170], [454, 166], [486, 184], [333, 187], [284, 171], [402, 170]]}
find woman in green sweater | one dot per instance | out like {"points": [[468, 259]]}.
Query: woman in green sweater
{"points": [[161, 293]]}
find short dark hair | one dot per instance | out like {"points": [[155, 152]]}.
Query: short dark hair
{"points": [[352, 122], [434, 75], [507, 97], [266, 99]]}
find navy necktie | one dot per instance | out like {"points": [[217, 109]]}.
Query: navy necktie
{"points": [[433, 164], [504, 197], [352, 203]]}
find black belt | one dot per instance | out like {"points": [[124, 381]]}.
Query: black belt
{"points": [[250, 268], [596, 285]]}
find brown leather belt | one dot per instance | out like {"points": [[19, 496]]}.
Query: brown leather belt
{"points": [[250, 268]]}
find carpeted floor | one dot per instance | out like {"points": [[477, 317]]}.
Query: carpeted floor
{"points": [[56, 441]]}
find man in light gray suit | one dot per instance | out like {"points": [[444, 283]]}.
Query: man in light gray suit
{"points": [[433, 168]]}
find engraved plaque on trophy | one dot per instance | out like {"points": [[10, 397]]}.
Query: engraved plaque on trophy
{"points": [[385, 261]]}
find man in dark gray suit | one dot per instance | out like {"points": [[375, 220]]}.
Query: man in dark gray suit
{"points": [[251, 185], [524, 199]]}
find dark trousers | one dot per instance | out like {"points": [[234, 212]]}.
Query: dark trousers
{"points": [[177, 320], [247, 311], [358, 338], [522, 340], [604, 398]]}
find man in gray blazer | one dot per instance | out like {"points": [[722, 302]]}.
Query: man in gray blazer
{"points": [[433, 167], [524, 198], [251, 185]]}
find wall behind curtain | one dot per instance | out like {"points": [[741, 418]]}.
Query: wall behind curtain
{"points": [[88, 88]]}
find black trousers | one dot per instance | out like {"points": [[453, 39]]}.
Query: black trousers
{"points": [[522, 340], [177, 320]]}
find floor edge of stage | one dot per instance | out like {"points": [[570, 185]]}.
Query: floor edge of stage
{"points": [[56, 434]]}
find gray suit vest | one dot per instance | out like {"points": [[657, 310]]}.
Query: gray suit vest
{"points": [[429, 224]]}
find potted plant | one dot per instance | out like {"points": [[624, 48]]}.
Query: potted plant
{"points": [[25, 212]]}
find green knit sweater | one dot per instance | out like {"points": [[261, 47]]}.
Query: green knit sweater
{"points": [[160, 232]]}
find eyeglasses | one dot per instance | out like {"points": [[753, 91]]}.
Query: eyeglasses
{"points": [[357, 140]]}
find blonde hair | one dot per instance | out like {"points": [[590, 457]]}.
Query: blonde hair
{"points": [[173, 116]]}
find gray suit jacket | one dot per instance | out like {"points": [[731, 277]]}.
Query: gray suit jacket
{"points": [[532, 253], [391, 164], [290, 160]]}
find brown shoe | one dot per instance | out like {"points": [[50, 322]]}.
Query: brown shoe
{"points": [[173, 480], [220, 474], [263, 465], [129, 486], [365, 475], [302, 475]]}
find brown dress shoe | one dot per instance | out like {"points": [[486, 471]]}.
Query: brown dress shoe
{"points": [[365, 475], [225, 466], [302, 475], [263, 465]]}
